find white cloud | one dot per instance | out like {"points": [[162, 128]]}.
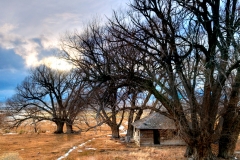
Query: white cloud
{"points": [[6, 28], [64, 17], [32, 28], [21, 21], [27, 48], [23, 47], [56, 63], [6, 36]]}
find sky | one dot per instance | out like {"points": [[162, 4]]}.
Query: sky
{"points": [[30, 31]]}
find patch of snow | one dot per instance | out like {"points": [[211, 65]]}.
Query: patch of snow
{"points": [[121, 128], [124, 132], [11, 133], [82, 144], [90, 149], [66, 154], [75, 147]]}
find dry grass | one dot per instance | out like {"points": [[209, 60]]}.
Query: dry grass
{"points": [[38, 146], [109, 149], [45, 145], [10, 156]]}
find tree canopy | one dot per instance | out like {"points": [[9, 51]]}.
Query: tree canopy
{"points": [[49, 94], [185, 53]]}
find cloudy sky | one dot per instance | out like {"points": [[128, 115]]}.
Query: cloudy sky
{"points": [[30, 31]]}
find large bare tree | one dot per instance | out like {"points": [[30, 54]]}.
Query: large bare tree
{"points": [[97, 58], [192, 47], [48, 94], [185, 53]]}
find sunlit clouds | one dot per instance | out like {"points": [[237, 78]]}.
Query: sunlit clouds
{"points": [[57, 63], [30, 33], [7, 38]]}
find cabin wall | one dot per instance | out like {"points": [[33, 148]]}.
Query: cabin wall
{"points": [[143, 137], [146, 138], [170, 137], [166, 134], [167, 137]]}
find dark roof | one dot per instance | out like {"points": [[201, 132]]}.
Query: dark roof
{"points": [[155, 121]]}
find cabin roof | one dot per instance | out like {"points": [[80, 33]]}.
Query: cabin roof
{"points": [[155, 121]]}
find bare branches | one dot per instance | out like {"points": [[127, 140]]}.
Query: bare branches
{"points": [[183, 52], [48, 95]]}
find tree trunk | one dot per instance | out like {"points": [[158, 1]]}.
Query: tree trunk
{"points": [[200, 150], [35, 125], [139, 114], [190, 151], [130, 127], [69, 128], [60, 125], [204, 152], [228, 139], [115, 131], [231, 122]]}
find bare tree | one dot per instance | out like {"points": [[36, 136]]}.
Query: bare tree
{"points": [[109, 109], [48, 94], [191, 46], [97, 59], [109, 66]]}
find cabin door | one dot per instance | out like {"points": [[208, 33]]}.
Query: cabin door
{"points": [[156, 136]]}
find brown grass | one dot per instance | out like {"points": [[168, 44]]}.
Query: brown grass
{"points": [[45, 145], [35, 146], [109, 149], [25, 144]]}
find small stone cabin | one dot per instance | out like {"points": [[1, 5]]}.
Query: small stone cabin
{"points": [[156, 129]]}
